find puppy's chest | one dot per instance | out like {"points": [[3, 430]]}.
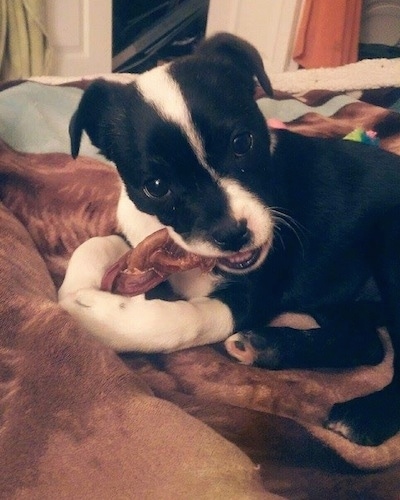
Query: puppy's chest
{"points": [[194, 283]]}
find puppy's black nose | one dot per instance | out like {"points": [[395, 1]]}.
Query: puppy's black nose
{"points": [[231, 235]]}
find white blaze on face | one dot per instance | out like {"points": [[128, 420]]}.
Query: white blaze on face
{"points": [[245, 205], [162, 92]]}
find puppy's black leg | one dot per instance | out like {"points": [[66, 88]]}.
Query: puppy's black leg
{"points": [[347, 337], [369, 420], [372, 419]]}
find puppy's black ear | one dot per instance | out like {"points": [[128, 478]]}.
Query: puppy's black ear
{"points": [[238, 52], [90, 115]]}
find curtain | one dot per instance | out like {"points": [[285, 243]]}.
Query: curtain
{"points": [[24, 44], [328, 34]]}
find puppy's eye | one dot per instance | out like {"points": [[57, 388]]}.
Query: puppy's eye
{"points": [[242, 143], [156, 188]]}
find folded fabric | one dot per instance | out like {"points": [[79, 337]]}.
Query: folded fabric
{"points": [[57, 203]]}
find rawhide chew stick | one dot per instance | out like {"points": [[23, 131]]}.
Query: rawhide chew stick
{"points": [[152, 261]]}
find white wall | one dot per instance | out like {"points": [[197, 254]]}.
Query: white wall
{"points": [[81, 33], [270, 25]]}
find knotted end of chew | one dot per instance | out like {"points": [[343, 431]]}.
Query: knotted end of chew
{"points": [[151, 262]]}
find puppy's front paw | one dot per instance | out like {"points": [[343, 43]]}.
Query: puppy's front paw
{"points": [[368, 420], [252, 349], [86, 298], [111, 318], [238, 346], [74, 301], [93, 303]]}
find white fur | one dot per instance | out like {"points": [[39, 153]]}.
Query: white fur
{"points": [[273, 140], [133, 223], [194, 283], [137, 324], [89, 262], [342, 429], [245, 205], [134, 323], [160, 90]]}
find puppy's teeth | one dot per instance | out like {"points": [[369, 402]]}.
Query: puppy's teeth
{"points": [[241, 257]]}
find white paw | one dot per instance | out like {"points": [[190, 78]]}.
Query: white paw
{"points": [[94, 304], [137, 324], [340, 428], [111, 318], [89, 262], [239, 347], [87, 298]]}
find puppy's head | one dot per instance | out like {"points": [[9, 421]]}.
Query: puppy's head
{"points": [[192, 149]]}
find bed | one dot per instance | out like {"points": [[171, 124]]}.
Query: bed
{"points": [[79, 421]]}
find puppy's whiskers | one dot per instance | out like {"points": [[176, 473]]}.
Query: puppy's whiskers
{"points": [[284, 220]]}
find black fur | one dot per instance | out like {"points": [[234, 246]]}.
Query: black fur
{"points": [[344, 201], [337, 217]]}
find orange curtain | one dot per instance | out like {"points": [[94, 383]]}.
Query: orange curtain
{"points": [[328, 33]]}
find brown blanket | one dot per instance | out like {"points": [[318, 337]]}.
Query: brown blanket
{"points": [[75, 422], [70, 409]]}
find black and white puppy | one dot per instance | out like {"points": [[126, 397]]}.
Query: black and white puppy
{"points": [[192, 150], [296, 224]]}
